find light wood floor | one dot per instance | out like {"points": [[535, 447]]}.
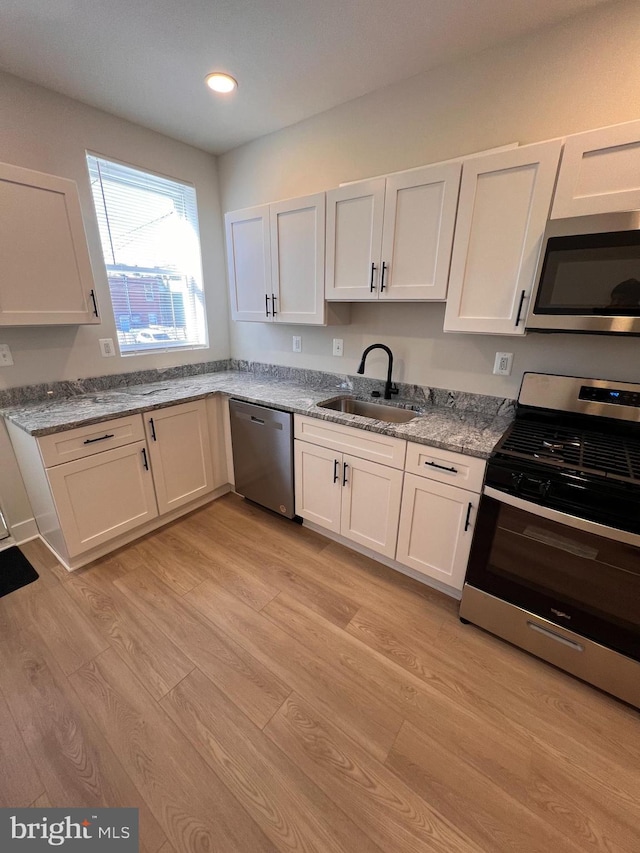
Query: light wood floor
{"points": [[250, 686]]}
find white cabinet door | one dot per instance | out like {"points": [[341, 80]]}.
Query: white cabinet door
{"points": [[419, 220], [502, 212], [249, 263], [318, 484], [354, 239], [46, 271], [180, 452], [297, 260], [102, 496], [599, 172], [436, 527], [370, 504]]}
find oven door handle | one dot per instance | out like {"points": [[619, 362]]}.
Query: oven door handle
{"points": [[564, 517]]}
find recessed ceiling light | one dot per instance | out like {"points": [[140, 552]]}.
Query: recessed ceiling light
{"points": [[220, 82]]}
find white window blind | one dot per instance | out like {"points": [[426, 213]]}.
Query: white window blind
{"points": [[151, 247]]}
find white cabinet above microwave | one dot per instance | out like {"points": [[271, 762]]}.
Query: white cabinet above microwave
{"points": [[600, 172]]}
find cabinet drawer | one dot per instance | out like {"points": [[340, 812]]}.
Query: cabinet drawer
{"points": [[84, 441], [467, 472], [358, 442]]}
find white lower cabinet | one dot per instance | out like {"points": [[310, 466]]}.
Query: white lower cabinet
{"points": [[436, 527], [103, 496], [180, 453], [354, 497], [91, 486]]}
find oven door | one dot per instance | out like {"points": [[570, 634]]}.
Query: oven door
{"points": [[572, 572]]}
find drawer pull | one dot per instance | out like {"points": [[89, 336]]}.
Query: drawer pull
{"points": [[144, 459], [442, 467], [102, 438], [577, 647]]}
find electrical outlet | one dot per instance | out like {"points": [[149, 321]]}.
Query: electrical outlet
{"points": [[106, 347], [6, 359], [503, 363], [338, 346], [297, 343]]}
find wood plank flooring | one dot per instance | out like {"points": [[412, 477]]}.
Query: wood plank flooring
{"points": [[251, 686]]}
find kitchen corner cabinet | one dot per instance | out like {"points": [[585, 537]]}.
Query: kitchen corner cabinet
{"points": [[180, 453], [46, 271], [502, 213], [345, 493], [390, 238], [599, 172], [275, 258], [439, 502]]}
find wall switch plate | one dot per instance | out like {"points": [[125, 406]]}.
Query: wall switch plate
{"points": [[297, 343], [106, 347], [503, 363], [6, 359], [338, 346]]}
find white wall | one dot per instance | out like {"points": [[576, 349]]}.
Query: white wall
{"points": [[42, 130], [582, 74]]}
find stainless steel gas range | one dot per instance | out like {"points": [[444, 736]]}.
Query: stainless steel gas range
{"points": [[555, 561]]}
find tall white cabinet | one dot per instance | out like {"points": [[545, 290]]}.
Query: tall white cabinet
{"points": [[46, 271], [502, 213], [390, 238]]}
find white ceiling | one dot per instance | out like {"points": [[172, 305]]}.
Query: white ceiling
{"points": [[146, 60]]}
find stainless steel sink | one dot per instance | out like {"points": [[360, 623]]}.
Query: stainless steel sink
{"points": [[366, 409]]}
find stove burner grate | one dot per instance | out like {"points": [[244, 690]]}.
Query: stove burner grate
{"points": [[589, 451]]}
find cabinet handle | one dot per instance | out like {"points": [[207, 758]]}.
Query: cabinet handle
{"points": [[144, 459], [344, 473], [336, 466], [92, 294], [273, 305], [384, 267], [153, 429], [102, 438], [373, 269], [442, 467], [466, 522], [266, 302], [522, 296]]}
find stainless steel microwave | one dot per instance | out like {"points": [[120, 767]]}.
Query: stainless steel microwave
{"points": [[589, 283]]}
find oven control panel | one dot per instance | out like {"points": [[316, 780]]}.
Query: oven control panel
{"points": [[616, 396]]}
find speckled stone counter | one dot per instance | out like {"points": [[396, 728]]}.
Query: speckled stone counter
{"points": [[465, 423]]}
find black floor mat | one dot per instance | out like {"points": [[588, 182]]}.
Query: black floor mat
{"points": [[15, 570]]}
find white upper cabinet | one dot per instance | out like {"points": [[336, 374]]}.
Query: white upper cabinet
{"points": [[502, 212], [297, 260], [249, 263], [354, 235], [600, 172], [46, 271], [390, 238], [275, 258]]}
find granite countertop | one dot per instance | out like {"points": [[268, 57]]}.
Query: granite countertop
{"points": [[473, 430]]}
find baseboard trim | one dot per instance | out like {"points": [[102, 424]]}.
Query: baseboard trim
{"points": [[25, 531], [386, 561]]}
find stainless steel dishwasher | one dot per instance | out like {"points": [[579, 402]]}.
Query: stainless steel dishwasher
{"points": [[262, 441]]}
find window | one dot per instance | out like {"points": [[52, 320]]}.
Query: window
{"points": [[151, 246]]}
